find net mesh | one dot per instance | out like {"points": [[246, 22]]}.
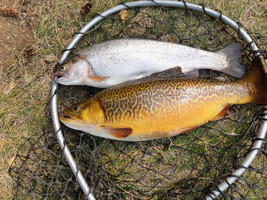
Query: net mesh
{"points": [[188, 166]]}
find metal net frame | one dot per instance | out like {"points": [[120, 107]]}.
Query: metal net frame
{"points": [[214, 160]]}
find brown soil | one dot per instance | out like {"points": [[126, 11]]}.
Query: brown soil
{"points": [[15, 29], [16, 33], [12, 36]]}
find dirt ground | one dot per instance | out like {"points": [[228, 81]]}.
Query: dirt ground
{"points": [[16, 34], [16, 25]]}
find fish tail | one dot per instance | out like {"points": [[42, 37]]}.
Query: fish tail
{"points": [[232, 52], [256, 79]]}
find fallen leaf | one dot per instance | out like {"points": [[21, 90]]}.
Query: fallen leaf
{"points": [[7, 88], [1, 144], [10, 161], [123, 15], [50, 58], [29, 13], [68, 41]]}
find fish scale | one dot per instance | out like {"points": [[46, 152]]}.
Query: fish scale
{"points": [[116, 61], [153, 108]]}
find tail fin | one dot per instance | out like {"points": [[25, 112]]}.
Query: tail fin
{"points": [[232, 52], [257, 77]]}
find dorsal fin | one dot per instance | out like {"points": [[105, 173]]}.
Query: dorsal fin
{"points": [[118, 132]]}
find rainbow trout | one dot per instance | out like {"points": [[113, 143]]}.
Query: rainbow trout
{"points": [[149, 109], [110, 63]]}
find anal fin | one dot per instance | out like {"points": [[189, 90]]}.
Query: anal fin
{"points": [[118, 132], [193, 73], [181, 131], [226, 111], [176, 71], [188, 129]]}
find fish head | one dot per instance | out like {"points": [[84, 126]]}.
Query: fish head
{"points": [[73, 117], [72, 71], [84, 116]]}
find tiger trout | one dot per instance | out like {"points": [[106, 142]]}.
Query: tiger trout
{"points": [[156, 108], [109, 63]]}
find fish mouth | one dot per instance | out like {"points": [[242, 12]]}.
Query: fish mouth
{"points": [[61, 75], [69, 118], [65, 118]]}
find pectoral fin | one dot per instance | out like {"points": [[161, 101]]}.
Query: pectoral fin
{"points": [[97, 78], [118, 132]]}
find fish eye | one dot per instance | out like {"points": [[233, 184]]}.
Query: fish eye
{"points": [[75, 108]]}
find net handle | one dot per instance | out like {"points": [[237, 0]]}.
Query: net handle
{"points": [[188, 6]]}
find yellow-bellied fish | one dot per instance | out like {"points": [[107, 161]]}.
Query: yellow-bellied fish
{"points": [[109, 63], [155, 108]]}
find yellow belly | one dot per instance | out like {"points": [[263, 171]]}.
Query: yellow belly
{"points": [[169, 121]]}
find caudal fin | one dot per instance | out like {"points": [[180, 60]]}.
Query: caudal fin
{"points": [[232, 52], [257, 78]]}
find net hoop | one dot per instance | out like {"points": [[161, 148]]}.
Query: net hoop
{"points": [[182, 4]]}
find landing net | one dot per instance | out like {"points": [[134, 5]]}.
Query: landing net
{"points": [[188, 166]]}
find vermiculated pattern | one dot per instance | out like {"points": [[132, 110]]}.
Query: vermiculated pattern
{"points": [[152, 97]]}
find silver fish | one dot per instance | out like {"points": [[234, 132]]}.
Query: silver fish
{"points": [[110, 63]]}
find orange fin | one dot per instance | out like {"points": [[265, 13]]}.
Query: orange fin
{"points": [[97, 78], [118, 132], [224, 112], [187, 129], [181, 131]]}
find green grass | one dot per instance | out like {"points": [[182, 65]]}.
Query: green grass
{"points": [[22, 110]]}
